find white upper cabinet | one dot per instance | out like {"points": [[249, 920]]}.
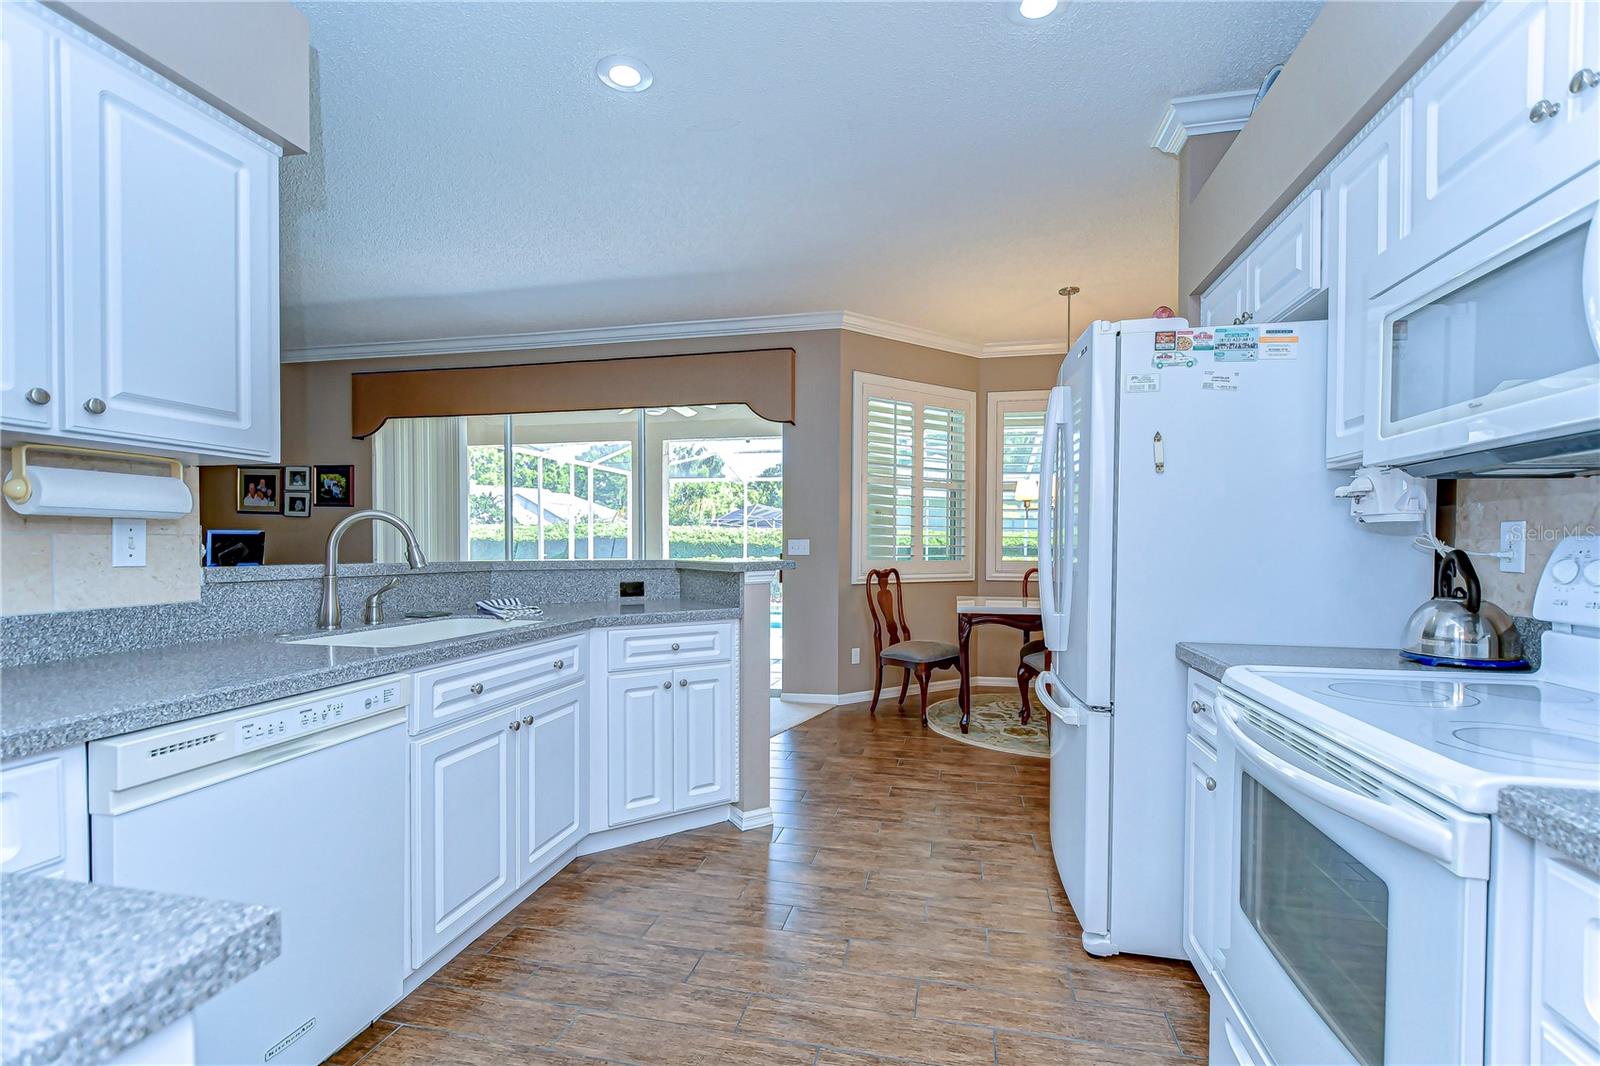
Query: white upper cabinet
{"points": [[1364, 213], [1496, 125], [164, 221], [1279, 273], [1225, 302], [1285, 267], [27, 189]]}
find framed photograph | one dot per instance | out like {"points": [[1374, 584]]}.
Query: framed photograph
{"points": [[260, 490], [297, 504], [334, 486], [297, 479]]}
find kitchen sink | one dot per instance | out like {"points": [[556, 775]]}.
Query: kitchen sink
{"points": [[415, 633]]}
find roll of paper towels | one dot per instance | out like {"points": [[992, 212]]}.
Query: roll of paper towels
{"points": [[61, 490]]}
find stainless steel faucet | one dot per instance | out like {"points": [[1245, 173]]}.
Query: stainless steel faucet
{"points": [[328, 614]]}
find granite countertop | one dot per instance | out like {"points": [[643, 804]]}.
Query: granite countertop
{"points": [[73, 701], [1213, 660], [90, 970], [1566, 820]]}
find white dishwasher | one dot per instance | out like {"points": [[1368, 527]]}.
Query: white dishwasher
{"points": [[298, 804]]}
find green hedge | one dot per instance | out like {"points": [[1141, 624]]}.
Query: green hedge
{"points": [[611, 542]]}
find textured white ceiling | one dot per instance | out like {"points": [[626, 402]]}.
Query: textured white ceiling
{"points": [[937, 165]]}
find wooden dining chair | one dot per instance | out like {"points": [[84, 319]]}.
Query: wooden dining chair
{"points": [[1031, 659], [892, 644]]}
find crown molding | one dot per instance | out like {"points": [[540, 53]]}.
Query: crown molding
{"points": [[1189, 116], [644, 332], [1015, 349]]}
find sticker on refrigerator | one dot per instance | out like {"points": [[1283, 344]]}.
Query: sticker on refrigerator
{"points": [[1221, 380], [1142, 383], [1235, 344], [1279, 344], [1166, 340], [1196, 340]]}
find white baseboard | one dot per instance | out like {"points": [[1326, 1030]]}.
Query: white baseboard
{"points": [[892, 692], [744, 821]]}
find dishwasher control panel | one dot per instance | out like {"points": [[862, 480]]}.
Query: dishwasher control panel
{"points": [[284, 723], [119, 763]]}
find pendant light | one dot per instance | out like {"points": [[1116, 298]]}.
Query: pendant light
{"points": [[1069, 292]]}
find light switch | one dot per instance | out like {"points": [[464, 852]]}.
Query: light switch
{"points": [[799, 547], [127, 541]]}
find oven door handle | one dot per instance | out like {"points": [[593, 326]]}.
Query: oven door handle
{"points": [[1418, 831]]}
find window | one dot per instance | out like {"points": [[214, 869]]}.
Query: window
{"points": [[1015, 460], [912, 453], [724, 498]]}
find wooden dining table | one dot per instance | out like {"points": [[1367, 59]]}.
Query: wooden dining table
{"points": [[1014, 612]]}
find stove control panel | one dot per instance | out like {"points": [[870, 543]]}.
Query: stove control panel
{"points": [[1569, 589]]}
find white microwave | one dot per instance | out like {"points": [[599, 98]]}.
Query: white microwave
{"points": [[1489, 357]]}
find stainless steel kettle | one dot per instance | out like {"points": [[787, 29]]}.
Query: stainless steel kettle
{"points": [[1457, 627]]}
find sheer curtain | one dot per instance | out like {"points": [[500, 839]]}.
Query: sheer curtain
{"points": [[419, 472]]}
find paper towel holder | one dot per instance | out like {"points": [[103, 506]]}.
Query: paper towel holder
{"points": [[18, 489]]}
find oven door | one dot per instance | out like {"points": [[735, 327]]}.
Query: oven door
{"points": [[1351, 909], [1490, 356]]}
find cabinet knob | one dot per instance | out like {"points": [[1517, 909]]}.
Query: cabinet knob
{"points": [[1584, 79], [527, 719], [1542, 110], [515, 725], [476, 688], [95, 405], [1211, 784], [666, 684], [674, 645], [683, 682], [560, 663], [1197, 707], [37, 396]]}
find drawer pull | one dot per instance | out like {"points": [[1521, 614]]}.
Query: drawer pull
{"points": [[674, 645], [1197, 707], [476, 688], [560, 663], [1542, 110], [515, 725]]}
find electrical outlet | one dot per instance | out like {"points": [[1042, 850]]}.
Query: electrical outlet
{"points": [[127, 541], [1514, 541], [630, 590], [855, 656]]}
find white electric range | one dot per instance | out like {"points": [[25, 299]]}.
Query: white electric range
{"points": [[1352, 904]]}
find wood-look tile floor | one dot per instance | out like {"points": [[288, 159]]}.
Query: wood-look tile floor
{"points": [[904, 909]]}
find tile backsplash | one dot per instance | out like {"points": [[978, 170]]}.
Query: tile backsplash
{"points": [[64, 564], [1552, 507]]}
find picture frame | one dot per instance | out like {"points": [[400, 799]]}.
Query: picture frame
{"points": [[297, 504], [334, 485], [297, 479], [259, 490]]}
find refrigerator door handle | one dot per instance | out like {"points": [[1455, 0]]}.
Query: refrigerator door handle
{"points": [[1054, 615], [1066, 715]]}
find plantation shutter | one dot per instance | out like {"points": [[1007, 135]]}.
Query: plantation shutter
{"points": [[913, 454], [1021, 456]]}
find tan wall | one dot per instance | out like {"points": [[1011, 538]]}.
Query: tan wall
{"points": [[1471, 513], [64, 564], [250, 59], [1352, 59]]}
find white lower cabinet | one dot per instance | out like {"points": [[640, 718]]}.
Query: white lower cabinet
{"points": [[44, 814], [1199, 859], [463, 821], [551, 779], [670, 740]]}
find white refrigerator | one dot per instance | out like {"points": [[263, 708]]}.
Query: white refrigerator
{"points": [[1186, 499]]}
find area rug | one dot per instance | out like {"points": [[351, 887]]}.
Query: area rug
{"points": [[994, 724]]}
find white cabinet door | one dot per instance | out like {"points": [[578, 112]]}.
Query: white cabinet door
{"points": [[27, 221], [1580, 110], [702, 742], [1364, 212], [463, 858], [639, 739], [1478, 156], [551, 784], [169, 268], [1285, 269], [1225, 302], [44, 814], [1199, 857]]}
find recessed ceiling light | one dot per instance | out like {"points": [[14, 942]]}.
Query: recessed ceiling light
{"points": [[626, 75], [1037, 9]]}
